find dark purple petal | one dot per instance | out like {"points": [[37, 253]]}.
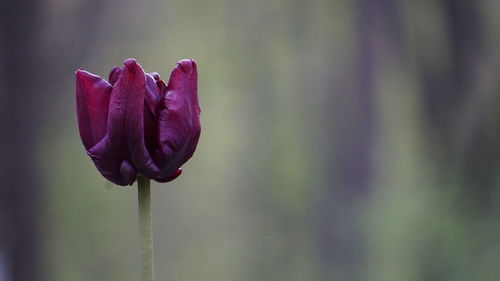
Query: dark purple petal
{"points": [[155, 75], [130, 90], [151, 84], [162, 87], [125, 135], [114, 74], [111, 163], [152, 95], [179, 122], [92, 103], [128, 172], [171, 177], [151, 108]]}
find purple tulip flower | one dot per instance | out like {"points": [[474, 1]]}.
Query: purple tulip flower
{"points": [[136, 124]]}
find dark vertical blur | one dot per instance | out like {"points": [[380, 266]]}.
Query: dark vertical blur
{"points": [[34, 55], [20, 111], [448, 94], [350, 172]]}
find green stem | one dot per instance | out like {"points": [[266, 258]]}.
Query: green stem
{"points": [[145, 228]]}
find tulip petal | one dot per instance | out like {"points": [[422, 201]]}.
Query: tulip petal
{"points": [[125, 135], [151, 84], [171, 177], [155, 75], [179, 121], [127, 110], [128, 172], [92, 102], [114, 74], [110, 162], [162, 87], [152, 95], [151, 106]]}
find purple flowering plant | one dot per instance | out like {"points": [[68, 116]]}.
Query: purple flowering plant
{"points": [[136, 126]]}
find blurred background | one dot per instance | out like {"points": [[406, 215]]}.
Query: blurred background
{"points": [[342, 140]]}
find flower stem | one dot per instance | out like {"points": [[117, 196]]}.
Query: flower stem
{"points": [[145, 229]]}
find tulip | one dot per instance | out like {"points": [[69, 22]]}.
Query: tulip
{"points": [[135, 124]]}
